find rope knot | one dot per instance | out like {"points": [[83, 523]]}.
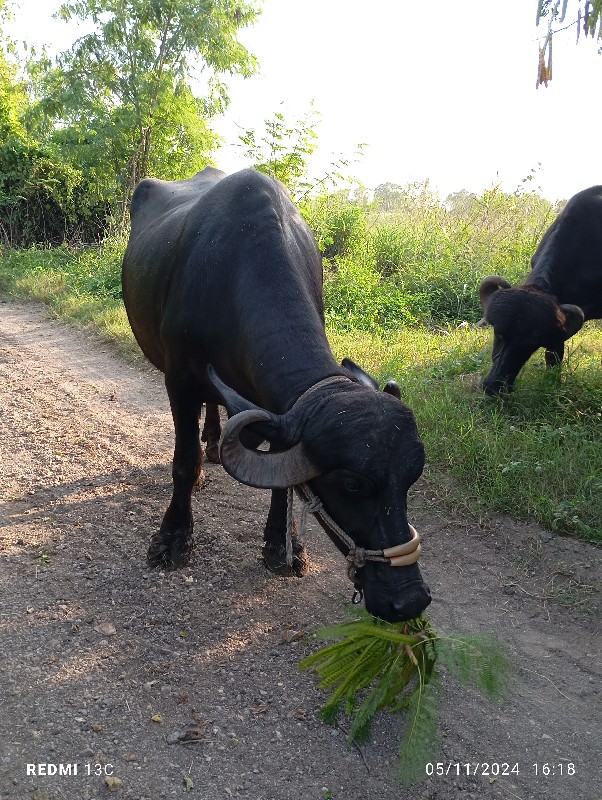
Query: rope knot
{"points": [[400, 555], [357, 557], [313, 505]]}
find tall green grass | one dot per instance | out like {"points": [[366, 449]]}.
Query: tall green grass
{"points": [[82, 285], [401, 289], [422, 263]]}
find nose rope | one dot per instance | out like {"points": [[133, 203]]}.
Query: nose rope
{"points": [[398, 556]]}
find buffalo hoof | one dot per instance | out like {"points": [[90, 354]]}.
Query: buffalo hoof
{"points": [[200, 482], [170, 551], [212, 453], [275, 560]]}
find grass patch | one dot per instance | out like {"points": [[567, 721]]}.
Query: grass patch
{"points": [[534, 454], [82, 286]]}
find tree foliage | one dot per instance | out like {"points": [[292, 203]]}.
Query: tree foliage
{"points": [[118, 105], [42, 198], [283, 149], [13, 94], [131, 76]]}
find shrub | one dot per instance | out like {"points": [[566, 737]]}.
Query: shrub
{"points": [[426, 260], [339, 225], [355, 297], [44, 200]]}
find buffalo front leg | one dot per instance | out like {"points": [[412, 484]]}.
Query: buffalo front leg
{"points": [[274, 548], [171, 546], [554, 355], [211, 433]]}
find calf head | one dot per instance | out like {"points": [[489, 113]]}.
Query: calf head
{"points": [[359, 450], [524, 318]]}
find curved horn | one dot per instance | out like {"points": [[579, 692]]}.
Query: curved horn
{"points": [[574, 319], [489, 286], [258, 468]]}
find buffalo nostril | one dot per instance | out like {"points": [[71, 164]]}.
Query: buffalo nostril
{"points": [[408, 608]]}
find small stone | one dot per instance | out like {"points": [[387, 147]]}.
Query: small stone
{"points": [[113, 784], [106, 628]]}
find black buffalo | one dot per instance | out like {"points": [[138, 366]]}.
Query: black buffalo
{"points": [[222, 282], [563, 289]]}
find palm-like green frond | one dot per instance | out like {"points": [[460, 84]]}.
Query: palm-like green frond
{"points": [[375, 665]]}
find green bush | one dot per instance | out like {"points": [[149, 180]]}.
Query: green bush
{"points": [[339, 225], [422, 262], [356, 297], [44, 200]]}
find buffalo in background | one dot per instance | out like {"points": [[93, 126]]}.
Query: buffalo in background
{"points": [[562, 291]]}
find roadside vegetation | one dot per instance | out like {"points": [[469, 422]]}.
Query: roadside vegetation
{"points": [[401, 291]]}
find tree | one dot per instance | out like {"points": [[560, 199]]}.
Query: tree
{"points": [[284, 149], [587, 18], [13, 93], [461, 203], [388, 196], [120, 100]]}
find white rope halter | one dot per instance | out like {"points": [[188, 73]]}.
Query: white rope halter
{"points": [[400, 555]]}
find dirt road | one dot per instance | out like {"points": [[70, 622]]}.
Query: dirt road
{"points": [[106, 665]]}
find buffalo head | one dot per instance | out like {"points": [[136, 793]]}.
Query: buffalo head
{"points": [[359, 450], [524, 318]]}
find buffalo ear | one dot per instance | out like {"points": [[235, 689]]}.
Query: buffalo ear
{"points": [[574, 319], [367, 380], [392, 387], [359, 374], [490, 286]]}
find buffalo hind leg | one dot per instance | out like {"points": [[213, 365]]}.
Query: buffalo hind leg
{"points": [[211, 433], [172, 545], [274, 548]]}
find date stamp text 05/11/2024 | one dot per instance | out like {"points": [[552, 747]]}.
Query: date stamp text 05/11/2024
{"points": [[495, 769]]}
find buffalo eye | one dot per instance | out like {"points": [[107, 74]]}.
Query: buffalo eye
{"points": [[354, 485]]}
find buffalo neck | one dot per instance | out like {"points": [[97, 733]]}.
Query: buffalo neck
{"points": [[273, 322], [285, 359]]}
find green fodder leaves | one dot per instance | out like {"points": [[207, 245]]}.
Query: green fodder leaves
{"points": [[375, 665], [369, 651], [478, 659], [421, 736]]}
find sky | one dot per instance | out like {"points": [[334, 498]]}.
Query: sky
{"points": [[443, 91]]}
